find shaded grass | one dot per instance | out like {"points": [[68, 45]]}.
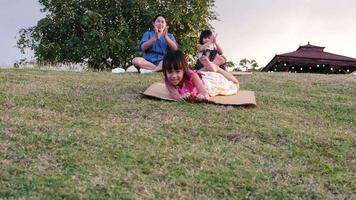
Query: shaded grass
{"points": [[92, 135]]}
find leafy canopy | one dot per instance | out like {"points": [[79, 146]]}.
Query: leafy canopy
{"points": [[105, 33], [249, 65]]}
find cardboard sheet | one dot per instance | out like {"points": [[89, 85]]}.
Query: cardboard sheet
{"points": [[242, 98]]}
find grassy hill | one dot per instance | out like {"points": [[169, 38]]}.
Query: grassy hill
{"points": [[92, 135]]}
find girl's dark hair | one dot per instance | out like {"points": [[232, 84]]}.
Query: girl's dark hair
{"points": [[204, 34], [175, 60], [159, 15]]}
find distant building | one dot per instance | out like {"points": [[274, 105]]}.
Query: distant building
{"points": [[311, 59]]}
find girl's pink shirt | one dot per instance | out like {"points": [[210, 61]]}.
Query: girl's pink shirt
{"points": [[188, 85]]}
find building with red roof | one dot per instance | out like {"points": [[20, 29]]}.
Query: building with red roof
{"points": [[311, 59]]}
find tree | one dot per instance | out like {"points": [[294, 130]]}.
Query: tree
{"points": [[105, 33], [249, 65]]}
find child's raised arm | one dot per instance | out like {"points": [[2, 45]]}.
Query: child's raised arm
{"points": [[218, 47]]}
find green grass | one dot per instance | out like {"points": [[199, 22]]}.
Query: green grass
{"points": [[94, 136]]}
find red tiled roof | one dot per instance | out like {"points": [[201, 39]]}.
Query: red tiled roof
{"points": [[312, 55], [311, 51], [311, 47]]}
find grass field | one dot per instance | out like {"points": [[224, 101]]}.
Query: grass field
{"points": [[94, 136]]}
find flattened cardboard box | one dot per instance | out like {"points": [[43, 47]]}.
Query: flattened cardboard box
{"points": [[242, 98]]}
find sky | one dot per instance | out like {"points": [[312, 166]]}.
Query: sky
{"points": [[14, 15], [252, 29], [259, 29]]}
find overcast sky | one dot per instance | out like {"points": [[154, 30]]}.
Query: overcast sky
{"points": [[253, 29], [14, 15], [259, 29]]}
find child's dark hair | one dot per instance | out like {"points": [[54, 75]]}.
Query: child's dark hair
{"points": [[175, 60], [159, 15], [204, 34]]}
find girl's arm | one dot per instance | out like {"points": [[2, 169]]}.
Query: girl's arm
{"points": [[173, 92], [172, 45], [200, 86], [218, 47]]}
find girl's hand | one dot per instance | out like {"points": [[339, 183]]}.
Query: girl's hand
{"points": [[214, 36]]}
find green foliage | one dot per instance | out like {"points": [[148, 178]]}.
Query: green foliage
{"points": [[231, 64], [106, 33], [249, 65]]}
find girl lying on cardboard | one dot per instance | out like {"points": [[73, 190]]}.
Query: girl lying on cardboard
{"points": [[184, 83]]}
